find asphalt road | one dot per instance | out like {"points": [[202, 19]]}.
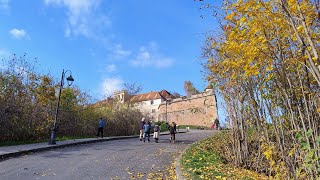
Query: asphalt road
{"points": [[118, 159]]}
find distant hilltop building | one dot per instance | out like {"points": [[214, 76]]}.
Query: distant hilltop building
{"points": [[148, 103], [199, 109]]}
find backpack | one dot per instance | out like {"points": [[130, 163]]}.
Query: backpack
{"points": [[146, 128], [156, 128], [172, 130]]}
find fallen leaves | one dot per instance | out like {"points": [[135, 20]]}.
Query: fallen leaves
{"points": [[200, 161]]}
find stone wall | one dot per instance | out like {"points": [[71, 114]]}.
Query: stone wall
{"points": [[198, 110]]}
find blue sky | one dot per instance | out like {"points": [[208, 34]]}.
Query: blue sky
{"points": [[107, 43]]}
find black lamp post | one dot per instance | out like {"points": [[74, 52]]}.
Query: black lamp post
{"points": [[55, 127], [167, 102], [166, 111]]}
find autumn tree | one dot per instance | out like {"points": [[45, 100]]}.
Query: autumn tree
{"points": [[189, 88], [28, 101], [266, 65], [176, 94]]}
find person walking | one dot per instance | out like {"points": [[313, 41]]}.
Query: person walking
{"points": [[217, 124], [146, 128], [141, 124], [101, 126], [212, 126], [156, 133], [173, 131]]}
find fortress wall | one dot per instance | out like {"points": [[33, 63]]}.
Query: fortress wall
{"points": [[198, 110]]}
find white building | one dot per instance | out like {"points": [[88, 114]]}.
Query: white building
{"points": [[148, 103]]}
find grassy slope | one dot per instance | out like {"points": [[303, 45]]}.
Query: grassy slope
{"points": [[201, 161]]}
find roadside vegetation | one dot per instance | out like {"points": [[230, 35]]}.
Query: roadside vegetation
{"points": [[28, 102], [265, 63], [27, 107], [208, 159], [193, 127]]}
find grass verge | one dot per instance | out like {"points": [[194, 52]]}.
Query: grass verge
{"points": [[202, 161]]}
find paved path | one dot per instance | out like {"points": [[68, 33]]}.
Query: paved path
{"points": [[12, 151], [126, 158]]}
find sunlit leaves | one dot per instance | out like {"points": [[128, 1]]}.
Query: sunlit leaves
{"points": [[266, 65], [202, 161]]}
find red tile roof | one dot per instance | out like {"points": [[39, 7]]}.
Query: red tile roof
{"points": [[166, 95], [152, 96]]}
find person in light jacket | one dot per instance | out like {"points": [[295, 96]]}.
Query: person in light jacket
{"points": [[141, 124], [156, 133]]}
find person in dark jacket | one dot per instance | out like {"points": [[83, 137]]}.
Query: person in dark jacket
{"points": [[141, 124], [217, 124], [146, 128], [173, 131]]}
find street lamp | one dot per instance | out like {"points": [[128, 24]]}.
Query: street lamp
{"points": [[55, 127], [166, 111], [166, 105]]}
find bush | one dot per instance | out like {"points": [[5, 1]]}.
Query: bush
{"points": [[28, 101], [193, 127], [206, 160]]}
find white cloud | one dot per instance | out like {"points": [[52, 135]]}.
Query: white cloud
{"points": [[111, 68], [110, 85], [118, 52], [149, 56], [18, 33], [4, 5], [82, 17]]}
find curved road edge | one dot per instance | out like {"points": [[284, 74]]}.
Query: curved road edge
{"points": [[178, 165]]}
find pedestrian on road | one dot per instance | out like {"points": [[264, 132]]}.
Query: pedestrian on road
{"points": [[146, 128], [212, 126], [101, 126], [141, 124], [173, 131], [156, 132], [217, 124]]}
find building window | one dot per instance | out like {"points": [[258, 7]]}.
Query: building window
{"points": [[151, 102], [153, 111]]}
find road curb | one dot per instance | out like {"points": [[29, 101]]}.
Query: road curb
{"points": [[178, 166]]}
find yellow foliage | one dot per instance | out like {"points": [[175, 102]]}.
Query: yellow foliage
{"points": [[291, 152]]}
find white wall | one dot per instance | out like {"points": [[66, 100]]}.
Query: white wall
{"points": [[146, 108]]}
